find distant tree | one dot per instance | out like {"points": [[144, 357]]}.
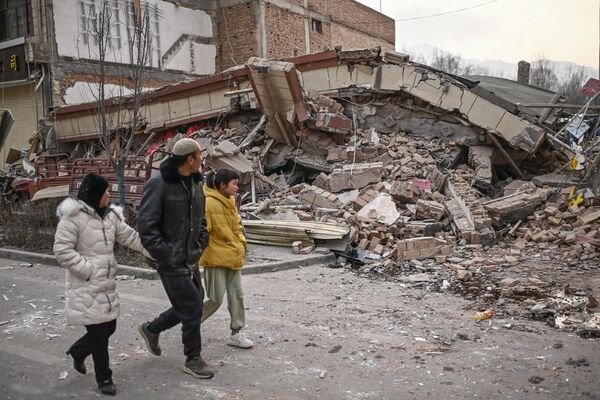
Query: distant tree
{"points": [[571, 83], [470, 69], [543, 74], [454, 64], [447, 62]]}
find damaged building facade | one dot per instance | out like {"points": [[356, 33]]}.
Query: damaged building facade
{"points": [[50, 53]]}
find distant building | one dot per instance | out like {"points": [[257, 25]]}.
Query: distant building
{"points": [[49, 50]]}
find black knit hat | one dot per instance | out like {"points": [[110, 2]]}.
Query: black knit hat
{"points": [[92, 189]]}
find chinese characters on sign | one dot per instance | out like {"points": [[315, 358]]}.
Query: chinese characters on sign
{"points": [[13, 65], [13, 62]]}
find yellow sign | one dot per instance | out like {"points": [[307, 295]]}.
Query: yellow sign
{"points": [[13, 62]]}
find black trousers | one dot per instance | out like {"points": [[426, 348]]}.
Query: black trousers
{"points": [[95, 342], [186, 295]]}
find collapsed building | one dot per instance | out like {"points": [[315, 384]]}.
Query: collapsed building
{"points": [[385, 161]]}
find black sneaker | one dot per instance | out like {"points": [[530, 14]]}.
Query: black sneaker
{"points": [[107, 387], [150, 338], [78, 363], [197, 368]]}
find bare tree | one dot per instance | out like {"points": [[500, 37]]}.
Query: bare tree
{"points": [[119, 116], [454, 64], [543, 74], [447, 62], [140, 49], [470, 69], [571, 83]]}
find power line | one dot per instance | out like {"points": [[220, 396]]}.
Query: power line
{"points": [[431, 15], [448, 12]]}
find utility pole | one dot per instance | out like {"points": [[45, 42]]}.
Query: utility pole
{"points": [[380, 6]]}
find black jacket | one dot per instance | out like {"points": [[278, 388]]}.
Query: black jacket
{"points": [[171, 221]]}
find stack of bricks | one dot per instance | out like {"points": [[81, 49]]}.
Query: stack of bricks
{"points": [[317, 197], [375, 237], [419, 248], [430, 210], [368, 195], [317, 102], [334, 123], [405, 192], [512, 208]]}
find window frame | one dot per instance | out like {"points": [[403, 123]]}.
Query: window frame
{"points": [[22, 29], [316, 25]]}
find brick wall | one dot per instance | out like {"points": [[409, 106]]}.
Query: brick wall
{"points": [[321, 41], [357, 16], [285, 32], [352, 25], [235, 29], [351, 39]]}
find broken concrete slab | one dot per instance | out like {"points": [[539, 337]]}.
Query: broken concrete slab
{"points": [[554, 180], [382, 208], [480, 158], [512, 208], [278, 90], [419, 248], [446, 93], [354, 176]]}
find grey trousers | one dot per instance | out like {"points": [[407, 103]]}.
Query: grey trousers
{"points": [[219, 280]]}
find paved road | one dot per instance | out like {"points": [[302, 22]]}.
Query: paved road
{"points": [[320, 334]]}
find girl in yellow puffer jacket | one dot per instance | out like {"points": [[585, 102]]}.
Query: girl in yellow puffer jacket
{"points": [[223, 258]]}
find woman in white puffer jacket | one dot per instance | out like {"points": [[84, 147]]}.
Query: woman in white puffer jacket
{"points": [[84, 245]]}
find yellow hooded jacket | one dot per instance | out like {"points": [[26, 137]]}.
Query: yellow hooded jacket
{"points": [[227, 243]]}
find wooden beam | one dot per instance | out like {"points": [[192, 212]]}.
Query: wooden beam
{"points": [[508, 157]]}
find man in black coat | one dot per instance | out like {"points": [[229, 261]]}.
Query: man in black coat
{"points": [[172, 227]]}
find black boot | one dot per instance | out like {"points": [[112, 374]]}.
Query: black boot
{"points": [[78, 363], [107, 387]]}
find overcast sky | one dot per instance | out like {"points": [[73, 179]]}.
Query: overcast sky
{"points": [[508, 30]]}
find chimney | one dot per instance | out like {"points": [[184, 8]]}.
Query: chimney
{"points": [[523, 72]]}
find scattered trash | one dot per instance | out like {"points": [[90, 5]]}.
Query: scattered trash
{"points": [[63, 375], [335, 349], [536, 380], [481, 316]]}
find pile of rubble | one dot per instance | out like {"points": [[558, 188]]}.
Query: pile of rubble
{"points": [[409, 173], [430, 193]]}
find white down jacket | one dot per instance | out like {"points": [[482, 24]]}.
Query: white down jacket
{"points": [[83, 244]]}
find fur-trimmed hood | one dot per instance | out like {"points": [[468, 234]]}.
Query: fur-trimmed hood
{"points": [[170, 174], [70, 206]]}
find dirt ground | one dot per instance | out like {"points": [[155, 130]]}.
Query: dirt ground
{"points": [[320, 333]]}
